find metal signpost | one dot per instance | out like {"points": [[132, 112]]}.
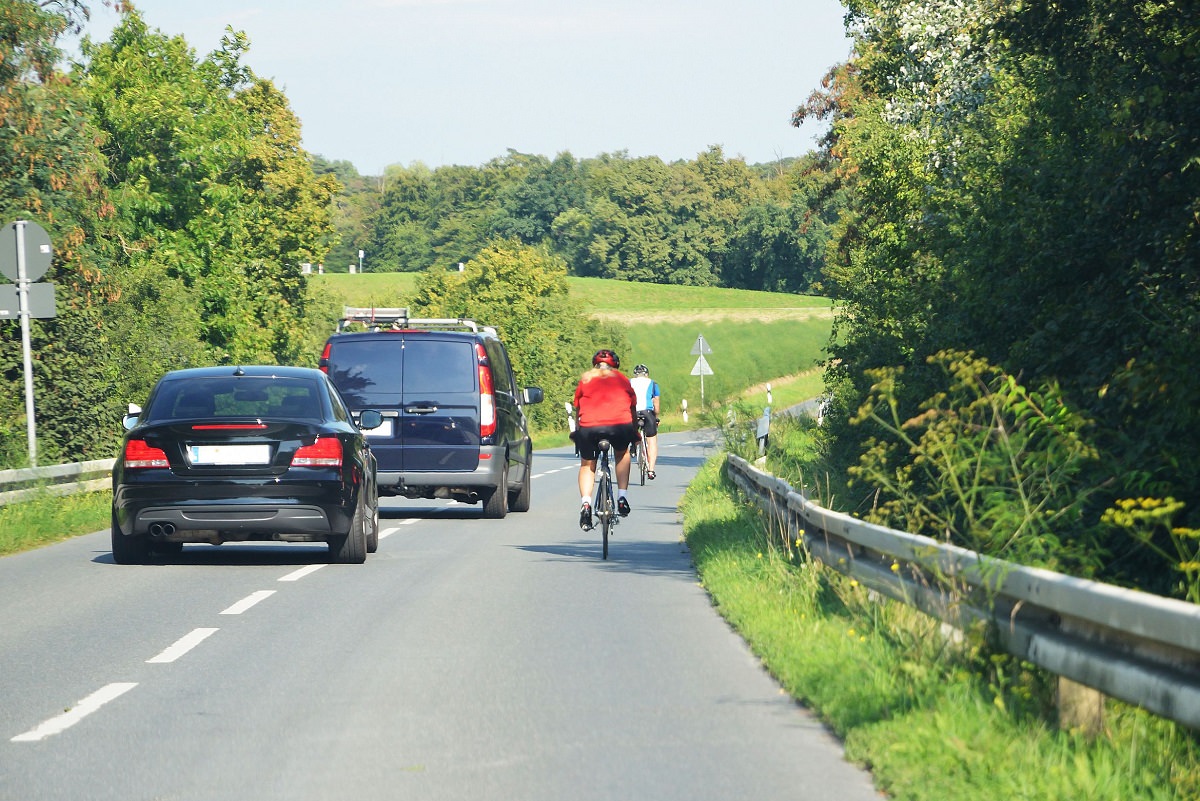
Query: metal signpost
{"points": [[701, 367], [25, 254]]}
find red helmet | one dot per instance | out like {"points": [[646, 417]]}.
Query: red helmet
{"points": [[606, 356]]}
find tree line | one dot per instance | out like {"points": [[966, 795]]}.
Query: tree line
{"points": [[710, 221]]}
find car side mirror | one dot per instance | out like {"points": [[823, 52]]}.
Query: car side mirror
{"points": [[532, 394], [131, 417], [370, 418]]}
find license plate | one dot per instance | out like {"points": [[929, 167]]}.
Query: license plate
{"points": [[384, 429], [230, 454]]}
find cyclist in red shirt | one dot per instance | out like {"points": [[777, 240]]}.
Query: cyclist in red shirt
{"points": [[604, 403]]}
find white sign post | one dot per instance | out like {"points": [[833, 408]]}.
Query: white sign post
{"points": [[25, 254], [701, 367]]}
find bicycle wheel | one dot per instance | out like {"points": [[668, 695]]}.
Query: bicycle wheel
{"points": [[643, 458], [609, 511]]}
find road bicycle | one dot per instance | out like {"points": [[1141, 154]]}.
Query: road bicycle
{"points": [[604, 504], [642, 455]]}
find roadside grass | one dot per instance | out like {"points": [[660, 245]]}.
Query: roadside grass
{"points": [[933, 717], [50, 518]]}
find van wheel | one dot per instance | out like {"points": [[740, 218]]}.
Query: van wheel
{"points": [[495, 505], [519, 500]]}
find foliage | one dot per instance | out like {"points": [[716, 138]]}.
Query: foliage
{"points": [[988, 465], [1025, 187], [1150, 522], [180, 207]]}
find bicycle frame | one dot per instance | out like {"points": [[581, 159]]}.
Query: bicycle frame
{"points": [[604, 505]]}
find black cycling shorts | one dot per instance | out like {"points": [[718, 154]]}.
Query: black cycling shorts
{"points": [[620, 436], [649, 422]]}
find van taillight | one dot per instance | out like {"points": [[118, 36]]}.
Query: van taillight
{"points": [[139, 454], [325, 452], [323, 364], [487, 394]]}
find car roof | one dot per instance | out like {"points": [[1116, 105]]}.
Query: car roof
{"points": [[250, 370]]}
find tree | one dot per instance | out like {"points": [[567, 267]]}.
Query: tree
{"points": [[50, 173]]}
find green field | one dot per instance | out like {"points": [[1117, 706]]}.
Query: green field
{"points": [[755, 337]]}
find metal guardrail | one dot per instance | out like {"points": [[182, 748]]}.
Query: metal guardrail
{"points": [[1141, 648], [61, 479]]}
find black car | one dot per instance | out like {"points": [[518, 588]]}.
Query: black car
{"points": [[454, 423], [223, 454]]}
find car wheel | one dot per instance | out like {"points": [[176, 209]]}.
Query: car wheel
{"points": [[131, 550], [519, 501], [373, 529], [350, 549], [495, 505]]}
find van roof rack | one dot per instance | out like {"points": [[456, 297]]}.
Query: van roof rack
{"points": [[395, 318]]}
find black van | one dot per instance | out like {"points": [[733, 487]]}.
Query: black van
{"points": [[454, 422]]}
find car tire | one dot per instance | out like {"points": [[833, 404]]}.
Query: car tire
{"points": [[131, 550], [350, 549], [495, 505], [373, 529], [519, 501]]}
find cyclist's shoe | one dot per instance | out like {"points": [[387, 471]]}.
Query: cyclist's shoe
{"points": [[585, 517], [623, 507], [650, 475]]}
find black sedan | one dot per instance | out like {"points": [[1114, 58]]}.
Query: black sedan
{"points": [[229, 454]]}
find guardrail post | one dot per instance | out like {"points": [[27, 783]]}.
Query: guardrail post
{"points": [[1079, 707]]}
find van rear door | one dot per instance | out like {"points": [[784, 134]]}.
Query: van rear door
{"points": [[439, 421]]}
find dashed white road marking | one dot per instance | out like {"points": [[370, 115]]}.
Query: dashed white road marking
{"points": [[296, 575], [387, 532], [76, 713], [184, 644], [247, 602]]}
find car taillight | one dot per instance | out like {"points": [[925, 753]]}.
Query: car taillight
{"points": [[487, 394], [325, 452], [139, 454]]}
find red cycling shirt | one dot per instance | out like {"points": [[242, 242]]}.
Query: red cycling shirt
{"points": [[604, 398]]}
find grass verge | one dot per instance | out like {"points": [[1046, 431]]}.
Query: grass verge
{"points": [[932, 717], [50, 518]]}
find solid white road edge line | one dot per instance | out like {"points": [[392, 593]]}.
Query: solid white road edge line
{"points": [[76, 713], [247, 602], [185, 643]]}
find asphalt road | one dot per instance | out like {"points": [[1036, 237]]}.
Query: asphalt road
{"points": [[467, 659]]}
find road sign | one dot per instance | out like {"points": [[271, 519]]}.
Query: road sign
{"points": [[701, 367], [700, 348], [41, 301], [38, 250]]}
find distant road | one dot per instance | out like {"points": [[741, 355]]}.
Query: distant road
{"points": [[468, 659]]}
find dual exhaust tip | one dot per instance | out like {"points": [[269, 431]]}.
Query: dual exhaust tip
{"points": [[160, 530]]}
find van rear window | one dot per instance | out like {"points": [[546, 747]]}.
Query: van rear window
{"points": [[366, 369], [433, 366]]}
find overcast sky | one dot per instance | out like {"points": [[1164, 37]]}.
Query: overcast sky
{"points": [[379, 82]]}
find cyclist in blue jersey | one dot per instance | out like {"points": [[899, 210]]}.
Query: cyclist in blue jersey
{"points": [[647, 391]]}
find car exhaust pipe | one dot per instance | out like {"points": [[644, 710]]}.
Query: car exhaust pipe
{"points": [[160, 530]]}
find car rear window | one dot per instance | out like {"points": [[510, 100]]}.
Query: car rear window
{"points": [[247, 396]]}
